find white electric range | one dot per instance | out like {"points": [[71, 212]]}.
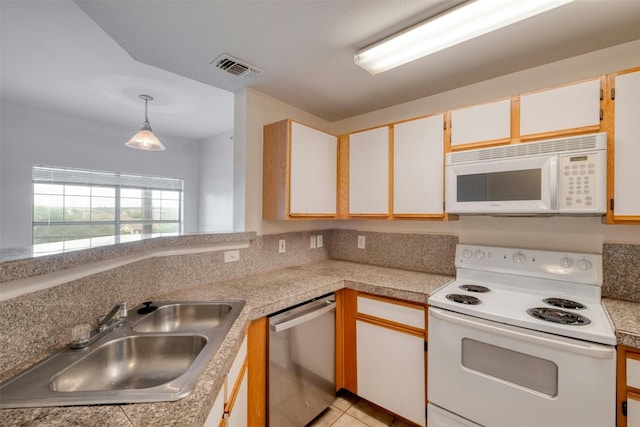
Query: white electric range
{"points": [[521, 335]]}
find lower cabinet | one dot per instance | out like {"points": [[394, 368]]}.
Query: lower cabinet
{"points": [[389, 353], [391, 370], [237, 408], [628, 387], [230, 408]]}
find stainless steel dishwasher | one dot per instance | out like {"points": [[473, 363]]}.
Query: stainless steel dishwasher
{"points": [[302, 362]]}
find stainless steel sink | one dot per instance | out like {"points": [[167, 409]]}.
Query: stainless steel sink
{"points": [[134, 362], [149, 357], [184, 317]]}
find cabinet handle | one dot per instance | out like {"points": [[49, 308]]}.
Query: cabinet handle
{"points": [[624, 408]]}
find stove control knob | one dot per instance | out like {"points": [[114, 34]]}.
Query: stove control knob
{"points": [[479, 254], [584, 264], [566, 262], [467, 253], [519, 258]]}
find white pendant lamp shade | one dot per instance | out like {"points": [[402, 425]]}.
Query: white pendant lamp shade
{"points": [[145, 139]]}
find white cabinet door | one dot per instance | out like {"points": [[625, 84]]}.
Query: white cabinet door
{"points": [[486, 122], [238, 414], [627, 144], [567, 107], [418, 156], [391, 370], [313, 171], [369, 172], [217, 411], [633, 411]]}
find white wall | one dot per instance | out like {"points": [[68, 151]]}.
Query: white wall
{"points": [[579, 234], [30, 137], [216, 183]]}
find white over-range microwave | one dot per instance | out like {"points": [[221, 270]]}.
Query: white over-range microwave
{"points": [[564, 176]]}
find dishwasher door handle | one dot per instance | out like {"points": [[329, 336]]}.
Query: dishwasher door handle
{"points": [[279, 327]]}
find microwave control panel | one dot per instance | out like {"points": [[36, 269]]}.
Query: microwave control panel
{"points": [[581, 183]]}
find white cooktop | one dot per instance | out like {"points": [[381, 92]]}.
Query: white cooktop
{"points": [[519, 279]]}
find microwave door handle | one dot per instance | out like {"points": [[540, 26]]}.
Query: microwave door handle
{"points": [[553, 183], [595, 351]]}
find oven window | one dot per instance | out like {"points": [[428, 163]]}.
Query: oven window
{"points": [[517, 368], [500, 186]]}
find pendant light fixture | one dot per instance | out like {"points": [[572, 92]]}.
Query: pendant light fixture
{"points": [[145, 139]]}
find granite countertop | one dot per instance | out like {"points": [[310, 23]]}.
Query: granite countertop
{"points": [[267, 293], [626, 319]]}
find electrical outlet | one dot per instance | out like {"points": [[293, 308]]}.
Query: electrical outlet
{"points": [[232, 256], [281, 246], [361, 242], [319, 241], [313, 242]]}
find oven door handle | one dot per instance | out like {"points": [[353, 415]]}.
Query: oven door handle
{"points": [[592, 350]]}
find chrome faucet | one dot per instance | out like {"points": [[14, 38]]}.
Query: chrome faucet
{"points": [[106, 321], [105, 324]]}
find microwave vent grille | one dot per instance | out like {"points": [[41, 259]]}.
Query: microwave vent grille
{"points": [[561, 145]]}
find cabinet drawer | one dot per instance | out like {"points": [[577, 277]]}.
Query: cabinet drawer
{"points": [[393, 312], [633, 372]]}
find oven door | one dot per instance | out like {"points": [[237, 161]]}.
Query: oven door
{"points": [[501, 376], [514, 186]]}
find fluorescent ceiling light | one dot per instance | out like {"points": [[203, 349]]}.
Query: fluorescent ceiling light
{"points": [[461, 24]]}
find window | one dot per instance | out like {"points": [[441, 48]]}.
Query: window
{"points": [[71, 204]]}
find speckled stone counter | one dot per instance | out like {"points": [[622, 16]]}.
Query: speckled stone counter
{"points": [[265, 293], [626, 318]]}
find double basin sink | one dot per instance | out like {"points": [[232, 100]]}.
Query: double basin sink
{"points": [[148, 357]]}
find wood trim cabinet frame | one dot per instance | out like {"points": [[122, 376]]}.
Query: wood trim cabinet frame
{"points": [[625, 391]]}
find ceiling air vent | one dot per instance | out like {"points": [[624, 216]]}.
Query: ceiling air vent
{"points": [[236, 67]]}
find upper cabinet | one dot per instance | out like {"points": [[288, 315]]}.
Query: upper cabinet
{"points": [[563, 110], [418, 150], [624, 191], [369, 172], [299, 172], [485, 124], [396, 171]]}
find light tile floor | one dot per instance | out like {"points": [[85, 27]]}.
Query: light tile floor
{"points": [[349, 410]]}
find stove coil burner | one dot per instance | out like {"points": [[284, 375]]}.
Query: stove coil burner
{"points": [[475, 288], [564, 303], [463, 299], [558, 316]]}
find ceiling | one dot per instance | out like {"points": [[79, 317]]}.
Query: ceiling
{"points": [[305, 48]]}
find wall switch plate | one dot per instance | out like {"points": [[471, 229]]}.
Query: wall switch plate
{"points": [[319, 243], [361, 242], [281, 246], [312, 244], [232, 256]]}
